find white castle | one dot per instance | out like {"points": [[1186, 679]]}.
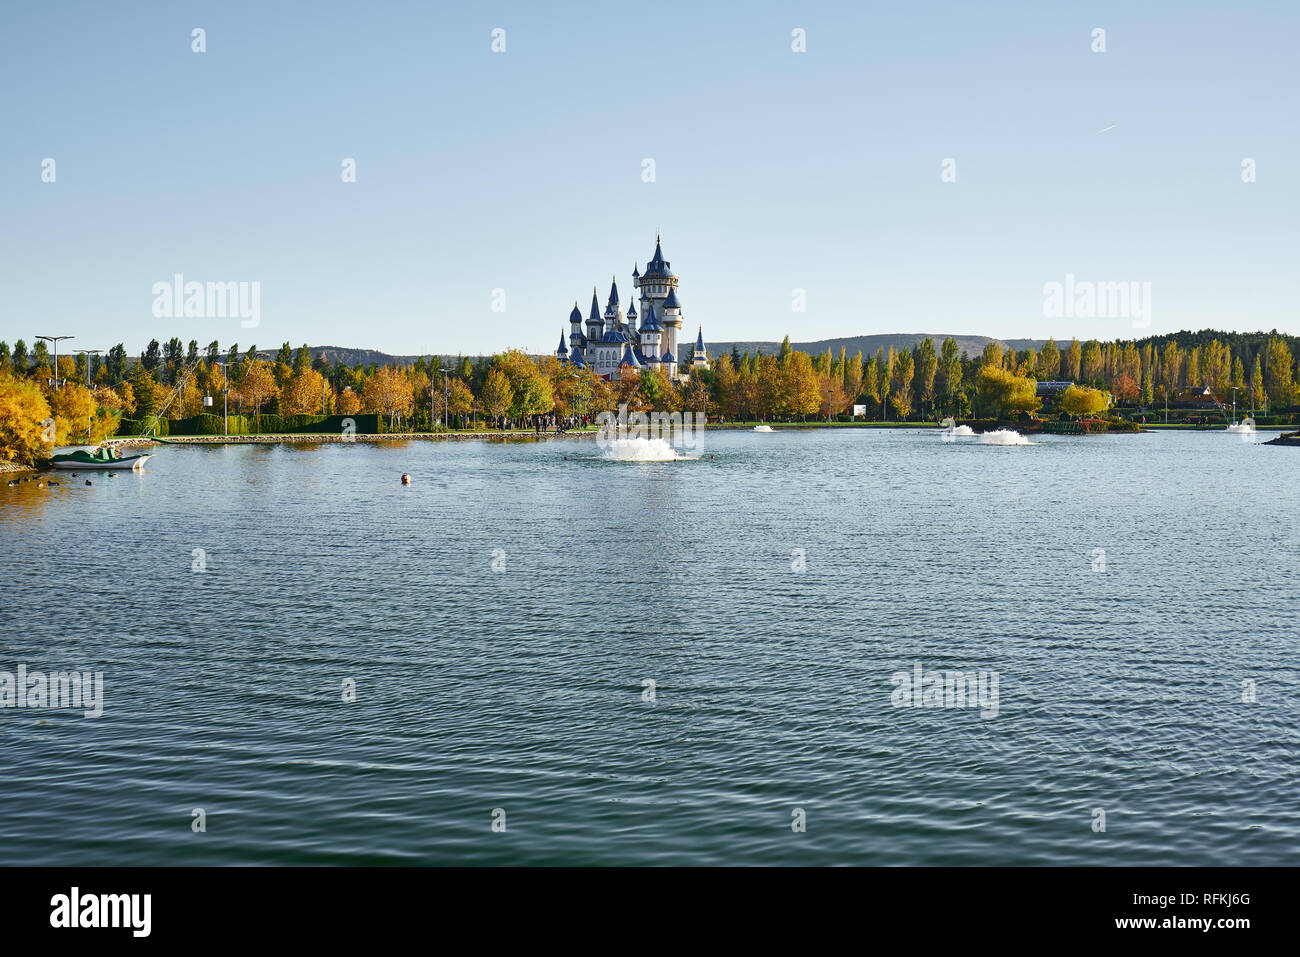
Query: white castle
{"points": [[613, 342]]}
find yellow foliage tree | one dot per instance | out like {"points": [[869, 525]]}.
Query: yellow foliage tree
{"points": [[1004, 394], [303, 393], [1082, 401], [23, 414], [257, 386], [389, 391], [73, 407]]}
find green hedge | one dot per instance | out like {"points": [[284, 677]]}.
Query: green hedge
{"points": [[270, 424], [159, 426]]}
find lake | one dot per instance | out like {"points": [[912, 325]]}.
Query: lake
{"points": [[663, 662]]}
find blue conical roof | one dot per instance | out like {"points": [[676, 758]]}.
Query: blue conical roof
{"points": [[576, 315], [650, 322], [613, 292], [595, 308], [667, 357], [564, 349], [629, 358], [699, 341], [657, 266], [671, 302], [631, 309]]}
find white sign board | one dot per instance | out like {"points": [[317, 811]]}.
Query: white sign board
{"points": [[859, 410]]}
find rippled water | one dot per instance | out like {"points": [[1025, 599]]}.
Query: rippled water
{"points": [[522, 688]]}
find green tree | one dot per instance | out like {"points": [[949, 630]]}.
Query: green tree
{"points": [[1278, 379], [949, 370], [926, 364]]}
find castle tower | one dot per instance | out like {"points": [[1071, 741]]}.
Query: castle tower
{"points": [[700, 357], [655, 284], [595, 325], [577, 341], [651, 336], [672, 320], [613, 311]]}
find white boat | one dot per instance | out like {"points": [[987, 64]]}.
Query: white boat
{"points": [[101, 461], [1246, 425], [763, 428]]}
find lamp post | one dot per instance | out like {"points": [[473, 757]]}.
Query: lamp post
{"points": [[55, 340], [90, 379], [446, 397], [225, 402], [90, 419]]}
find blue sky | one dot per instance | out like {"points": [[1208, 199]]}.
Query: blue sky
{"points": [[522, 170]]}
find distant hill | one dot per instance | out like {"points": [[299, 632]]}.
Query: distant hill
{"points": [[971, 345], [336, 354]]}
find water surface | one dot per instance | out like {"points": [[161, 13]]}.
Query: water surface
{"points": [[521, 688]]}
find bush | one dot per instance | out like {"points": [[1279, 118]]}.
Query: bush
{"points": [[141, 426]]}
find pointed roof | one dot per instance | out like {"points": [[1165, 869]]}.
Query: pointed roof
{"points": [[657, 266], [613, 292], [635, 271], [699, 341], [667, 357], [650, 323], [671, 302], [564, 349], [595, 307], [576, 359], [629, 358], [576, 315], [631, 309]]}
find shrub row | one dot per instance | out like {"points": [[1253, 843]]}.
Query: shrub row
{"points": [[207, 424]]}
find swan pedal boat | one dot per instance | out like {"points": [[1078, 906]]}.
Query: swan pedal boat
{"points": [[101, 460]]}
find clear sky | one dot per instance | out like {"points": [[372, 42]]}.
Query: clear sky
{"points": [[523, 170]]}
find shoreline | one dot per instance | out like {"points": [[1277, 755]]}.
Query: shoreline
{"points": [[316, 438]]}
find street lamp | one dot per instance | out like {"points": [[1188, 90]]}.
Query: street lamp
{"points": [[90, 419], [55, 340], [225, 402], [446, 397], [90, 378]]}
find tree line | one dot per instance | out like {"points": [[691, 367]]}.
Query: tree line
{"points": [[512, 388]]}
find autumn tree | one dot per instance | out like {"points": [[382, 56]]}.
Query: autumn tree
{"points": [[496, 397], [1082, 401], [257, 386], [389, 392], [304, 393], [900, 382], [1004, 394], [23, 412]]}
